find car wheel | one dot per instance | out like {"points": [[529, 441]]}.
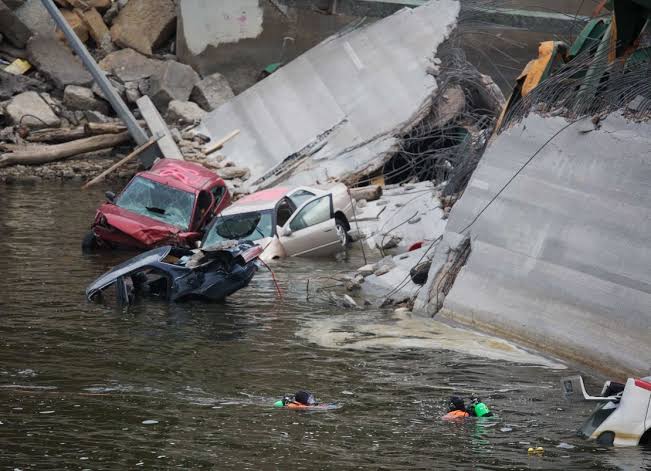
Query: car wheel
{"points": [[342, 233], [606, 439], [89, 242]]}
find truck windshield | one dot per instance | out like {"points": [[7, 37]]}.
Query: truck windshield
{"points": [[246, 226], [157, 201]]}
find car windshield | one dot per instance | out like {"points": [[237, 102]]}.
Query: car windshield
{"points": [[158, 201], [246, 226]]}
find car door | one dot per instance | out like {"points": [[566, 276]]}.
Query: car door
{"points": [[311, 231]]}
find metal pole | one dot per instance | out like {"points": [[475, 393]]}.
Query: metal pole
{"points": [[120, 107]]}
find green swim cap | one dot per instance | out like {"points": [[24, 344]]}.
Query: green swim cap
{"points": [[279, 404], [481, 409]]}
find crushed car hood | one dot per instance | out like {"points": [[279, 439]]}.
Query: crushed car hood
{"points": [[142, 228]]}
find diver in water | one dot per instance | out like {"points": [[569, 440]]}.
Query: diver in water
{"points": [[477, 408], [456, 409], [302, 398]]}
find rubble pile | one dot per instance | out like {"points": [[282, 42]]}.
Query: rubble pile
{"points": [[48, 97]]}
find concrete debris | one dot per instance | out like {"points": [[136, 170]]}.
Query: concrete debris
{"points": [[12, 28], [30, 110], [36, 18], [356, 124], [57, 62], [212, 92], [76, 23], [183, 112], [173, 81], [403, 216], [129, 65], [11, 85], [83, 99], [97, 29], [144, 25]]}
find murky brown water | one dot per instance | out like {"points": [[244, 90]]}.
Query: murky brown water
{"points": [[191, 386]]}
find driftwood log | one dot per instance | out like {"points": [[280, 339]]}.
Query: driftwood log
{"points": [[36, 155], [71, 134], [368, 193]]}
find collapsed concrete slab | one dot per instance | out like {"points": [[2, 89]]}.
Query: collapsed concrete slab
{"points": [[173, 81], [341, 104], [561, 259]]}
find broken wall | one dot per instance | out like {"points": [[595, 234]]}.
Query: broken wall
{"points": [[240, 38], [561, 260]]}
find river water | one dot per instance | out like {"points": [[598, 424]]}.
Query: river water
{"points": [[191, 386]]}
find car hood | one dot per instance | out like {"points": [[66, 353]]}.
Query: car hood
{"points": [[147, 230], [139, 261]]}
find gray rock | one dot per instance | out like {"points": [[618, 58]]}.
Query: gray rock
{"points": [[81, 98], [36, 18], [11, 85], [119, 88], [212, 92], [184, 112], [14, 30], [30, 110], [57, 62], [144, 25], [174, 81], [132, 92], [366, 270], [111, 14], [96, 117], [129, 65]]}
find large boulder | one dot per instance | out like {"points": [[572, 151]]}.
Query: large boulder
{"points": [[174, 81], [14, 30], [129, 65], [83, 99], [30, 110], [212, 92], [144, 25], [57, 62], [184, 112]]}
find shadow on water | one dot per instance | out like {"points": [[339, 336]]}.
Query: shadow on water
{"points": [[191, 385]]}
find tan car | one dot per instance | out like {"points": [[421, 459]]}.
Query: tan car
{"points": [[303, 221]]}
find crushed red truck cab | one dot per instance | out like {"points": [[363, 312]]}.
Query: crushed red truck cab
{"points": [[170, 204]]}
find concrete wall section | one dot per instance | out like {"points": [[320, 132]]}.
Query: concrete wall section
{"points": [[562, 259]]}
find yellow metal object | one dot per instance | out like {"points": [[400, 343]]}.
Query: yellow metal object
{"points": [[535, 70], [18, 67]]}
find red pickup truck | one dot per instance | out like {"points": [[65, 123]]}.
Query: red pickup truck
{"points": [[170, 204]]}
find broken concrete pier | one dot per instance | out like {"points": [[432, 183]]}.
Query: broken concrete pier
{"points": [[560, 260]]}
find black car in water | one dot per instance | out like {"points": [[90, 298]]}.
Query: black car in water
{"points": [[177, 274]]}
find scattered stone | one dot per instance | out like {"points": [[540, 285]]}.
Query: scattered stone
{"points": [[76, 23], [174, 81], [81, 98], [97, 29], [30, 110], [349, 302], [144, 25], [176, 135], [12, 28], [230, 173], [119, 88], [212, 92], [636, 103], [132, 92], [184, 112], [391, 242], [111, 14], [96, 117], [11, 85], [129, 65], [56, 62], [36, 18]]}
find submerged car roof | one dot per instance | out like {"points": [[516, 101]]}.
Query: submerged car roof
{"points": [[188, 176], [258, 201]]}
